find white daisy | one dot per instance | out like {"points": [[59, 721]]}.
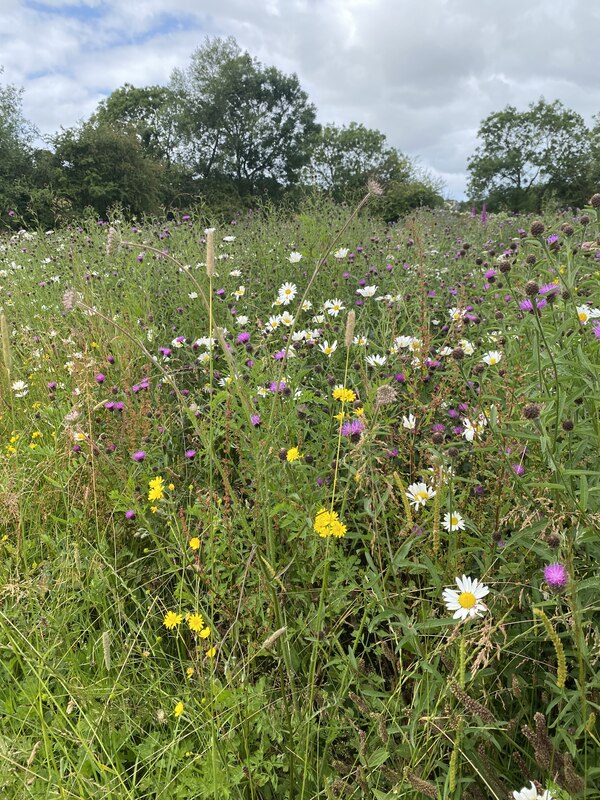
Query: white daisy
{"points": [[273, 323], [286, 319], [419, 493], [318, 319], [294, 257], [367, 291], [229, 238], [306, 305], [585, 313], [531, 793], [341, 253], [453, 522], [287, 292], [376, 360], [327, 348], [333, 307], [467, 347], [241, 320], [409, 422], [20, 388], [492, 358], [361, 341], [467, 601]]}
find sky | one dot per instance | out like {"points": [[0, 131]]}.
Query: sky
{"points": [[424, 72]]}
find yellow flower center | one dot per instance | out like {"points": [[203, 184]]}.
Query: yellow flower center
{"points": [[467, 599], [453, 521], [583, 316]]}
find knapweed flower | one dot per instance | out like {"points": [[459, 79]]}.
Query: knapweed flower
{"points": [[139, 455], [467, 601], [190, 454], [531, 793], [344, 395], [293, 454], [353, 429], [327, 523], [419, 493], [156, 488], [130, 514], [556, 576], [172, 620], [453, 522]]}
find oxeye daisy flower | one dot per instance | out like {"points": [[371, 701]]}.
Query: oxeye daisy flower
{"points": [[294, 257], [333, 307], [367, 291], [341, 253], [419, 493], [172, 620], [20, 388], [327, 348], [287, 292], [409, 422], [453, 522], [531, 793], [467, 601], [585, 314], [492, 358], [376, 360]]}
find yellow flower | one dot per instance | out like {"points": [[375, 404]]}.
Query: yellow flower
{"points": [[194, 543], [179, 709], [196, 622], [36, 434], [171, 487], [345, 395], [157, 488], [211, 652], [327, 523], [339, 416], [189, 672], [205, 633], [293, 454], [153, 509], [359, 412], [172, 620], [32, 445]]}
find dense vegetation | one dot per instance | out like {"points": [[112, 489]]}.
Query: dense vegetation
{"points": [[241, 471]]}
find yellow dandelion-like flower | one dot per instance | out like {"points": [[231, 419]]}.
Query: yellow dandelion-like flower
{"points": [[189, 672], [154, 509], [172, 620], [211, 652], [327, 523], [179, 709], [340, 416], [157, 488], [293, 454], [171, 487], [194, 543], [196, 622], [205, 633], [359, 412], [344, 395]]}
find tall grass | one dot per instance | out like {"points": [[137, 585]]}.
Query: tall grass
{"points": [[173, 624]]}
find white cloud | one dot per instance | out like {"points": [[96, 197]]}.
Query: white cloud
{"points": [[425, 74]]}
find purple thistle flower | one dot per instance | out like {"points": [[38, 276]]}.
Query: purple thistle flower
{"points": [[139, 455], [353, 429], [255, 420], [190, 453], [518, 469], [243, 337], [555, 575], [100, 378], [130, 514], [596, 331]]}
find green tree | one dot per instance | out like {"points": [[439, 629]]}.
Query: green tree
{"points": [[526, 155], [102, 166], [16, 136], [239, 119], [345, 158]]}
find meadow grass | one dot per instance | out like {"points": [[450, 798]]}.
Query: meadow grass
{"points": [[240, 477]]}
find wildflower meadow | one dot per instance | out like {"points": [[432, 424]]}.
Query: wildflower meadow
{"points": [[301, 506]]}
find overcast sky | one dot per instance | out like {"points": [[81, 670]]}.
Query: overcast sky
{"points": [[424, 72]]}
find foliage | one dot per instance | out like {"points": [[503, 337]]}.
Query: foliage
{"points": [[15, 155], [524, 155], [102, 165], [242, 120]]}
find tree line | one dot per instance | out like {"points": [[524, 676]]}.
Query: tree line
{"points": [[224, 132]]}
